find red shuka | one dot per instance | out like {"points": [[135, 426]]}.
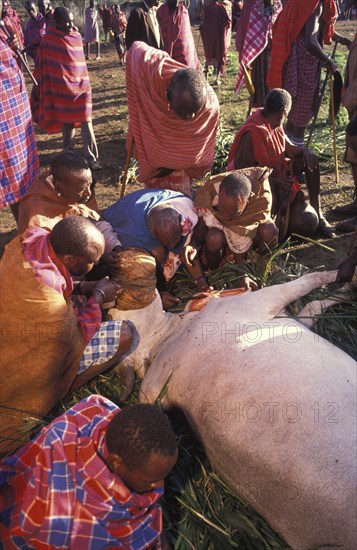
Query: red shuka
{"points": [[287, 28], [64, 89]]}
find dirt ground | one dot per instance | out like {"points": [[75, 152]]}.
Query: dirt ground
{"points": [[110, 124]]}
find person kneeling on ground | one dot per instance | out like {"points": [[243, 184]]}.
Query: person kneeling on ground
{"points": [[161, 222], [234, 210], [91, 479], [53, 341], [261, 141]]}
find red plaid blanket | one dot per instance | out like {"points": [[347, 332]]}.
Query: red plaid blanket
{"points": [[287, 28], [259, 29], [64, 87], [19, 164], [57, 491]]}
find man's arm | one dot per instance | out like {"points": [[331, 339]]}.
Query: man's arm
{"points": [[312, 43], [308, 156], [244, 157]]}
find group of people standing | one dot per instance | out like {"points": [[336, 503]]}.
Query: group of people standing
{"points": [[70, 261]]}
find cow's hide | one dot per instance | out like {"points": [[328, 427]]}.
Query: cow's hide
{"points": [[273, 404]]}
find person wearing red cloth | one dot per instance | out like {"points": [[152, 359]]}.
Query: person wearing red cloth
{"points": [[19, 163], [63, 98], [216, 35], [173, 118], [177, 35], [35, 30], [53, 337], [299, 33], [261, 141], [91, 479]]}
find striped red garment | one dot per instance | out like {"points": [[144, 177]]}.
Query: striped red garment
{"points": [[64, 88], [19, 164], [258, 31], [177, 35], [215, 31], [161, 138], [287, 28], [57, 491], [268, 143]]}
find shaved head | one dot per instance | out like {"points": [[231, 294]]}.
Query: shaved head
{"points": [[187, 93], [78, 243]]}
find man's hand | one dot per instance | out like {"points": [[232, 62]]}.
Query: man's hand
{"points": [[111, 260], [106, 290], [247, 283], [188, 254], [310, 159], [331, 66]]}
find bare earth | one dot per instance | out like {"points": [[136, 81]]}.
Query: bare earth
{"points": [[110, 123]]}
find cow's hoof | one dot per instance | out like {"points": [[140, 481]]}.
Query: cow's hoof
{"points": [[127, 379]]}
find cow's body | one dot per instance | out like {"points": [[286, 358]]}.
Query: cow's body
{"points": [[273, 404]]}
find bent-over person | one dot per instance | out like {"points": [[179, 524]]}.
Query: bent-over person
{"points": [[173, 118], [235, 215], [53, 339], [91, 479]]}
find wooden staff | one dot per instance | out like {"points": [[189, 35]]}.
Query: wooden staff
{"points": [[321, 96], [248, 79], [334, 130], [124, 174]]}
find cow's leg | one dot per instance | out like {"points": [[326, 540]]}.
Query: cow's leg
{"points": [[317, 307], [275, 298]]}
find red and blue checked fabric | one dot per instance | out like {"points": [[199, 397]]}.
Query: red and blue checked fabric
{"points": [[57, 491], [64, 89], [34, 32], [258, 32], [177, 35], [19, 164], [51, 272]]}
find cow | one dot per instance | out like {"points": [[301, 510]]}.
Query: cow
{"points": [[273, 404]]}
